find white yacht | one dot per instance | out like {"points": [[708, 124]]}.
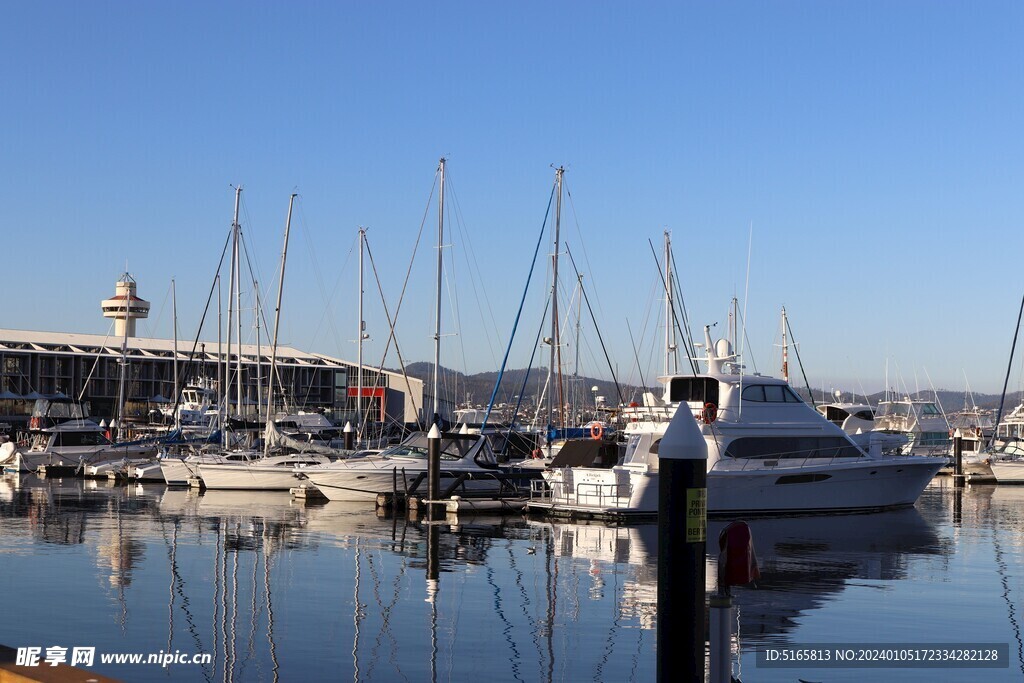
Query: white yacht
{"points": [[853, 418], [197, 406], [921, 421], [1005, 461], [72, 444], [177, 469], [768, 452], [361, 479], [270, 473]]}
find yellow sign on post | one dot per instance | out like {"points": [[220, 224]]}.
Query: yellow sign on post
{"points": [[696, 515]]}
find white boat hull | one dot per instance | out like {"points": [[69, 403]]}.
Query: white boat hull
{"points": [[365, 483], [1008, 471], [598, 492], [146, 471], [177, 472], [247, 477], [858, 486]]}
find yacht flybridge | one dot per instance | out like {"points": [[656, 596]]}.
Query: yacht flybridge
{"points": [[768, 452]]}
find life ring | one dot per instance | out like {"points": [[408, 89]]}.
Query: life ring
{"points": [[710, 413], [536, 454], [596, 431], [977, 432], [951, 433]]}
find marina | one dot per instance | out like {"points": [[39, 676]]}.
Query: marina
{"points": [[276, 589], [653, 342]]}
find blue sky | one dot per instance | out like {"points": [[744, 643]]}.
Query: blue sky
{"points": [[867, 154]]}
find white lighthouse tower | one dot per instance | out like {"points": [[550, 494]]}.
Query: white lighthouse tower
{"points": [[125, 307]]}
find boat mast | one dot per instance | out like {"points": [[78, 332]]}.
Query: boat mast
{"points": [[575, 402], [437, 319], [554, 303], [238, 301], [671, 364], [259, 354], [785, 349], [174, 314], [222, 397], [277, 308], [359, 340]]}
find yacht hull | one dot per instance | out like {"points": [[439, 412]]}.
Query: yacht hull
{"points": [[859, 486], [597, 493], [176, 471], [247, 477], [364, 484], [1008, 472]]}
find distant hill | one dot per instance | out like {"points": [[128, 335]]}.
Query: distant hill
{"points": [[951, 401], [476, 389]]}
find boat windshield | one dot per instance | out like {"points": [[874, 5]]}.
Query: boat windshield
{"points": [[452, 448], [792, 447], [60, 410], [898, 409], [90, 438], [1011, 448]]}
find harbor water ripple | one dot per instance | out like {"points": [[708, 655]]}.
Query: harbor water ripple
{"points": [[276, 589]]}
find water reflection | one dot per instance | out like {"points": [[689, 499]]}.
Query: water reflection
{"points": [[806, 562], [277, 589]]}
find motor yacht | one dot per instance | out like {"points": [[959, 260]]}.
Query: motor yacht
{"points": [[177, 468], [269, 473], [73, 444], [921, 421], [768, 452], [396, 467]]}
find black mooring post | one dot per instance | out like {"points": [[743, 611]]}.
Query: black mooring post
{"points": [[350, 437], [433, 470], [682, 527], [958, 457]]}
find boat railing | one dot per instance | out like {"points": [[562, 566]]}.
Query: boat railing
{"points": [[781, 461], [583, 493]]}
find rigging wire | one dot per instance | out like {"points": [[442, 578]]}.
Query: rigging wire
{"points": [[687, 335], [618, 389], [1009, 365], [796, 350], [391, 334], [643, 382], [689, 355], [515, 324]]}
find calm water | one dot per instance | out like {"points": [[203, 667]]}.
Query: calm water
{"points": [[279, 590]]}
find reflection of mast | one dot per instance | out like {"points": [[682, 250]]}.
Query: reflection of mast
{"points": [[433, 587], [270, 612], [178, 586], [232, 637], [552, 589], [357, 618], [1011, 611]]}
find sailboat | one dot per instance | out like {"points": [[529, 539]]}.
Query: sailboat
{"points": [[462, 454]]}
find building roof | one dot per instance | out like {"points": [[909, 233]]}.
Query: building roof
{"points": [[147, 347]]}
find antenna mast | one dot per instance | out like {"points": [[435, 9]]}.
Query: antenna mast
{"points": [[437, 319]]}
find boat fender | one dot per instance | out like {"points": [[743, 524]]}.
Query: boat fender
{"points": [[737, 563], [596, 431], [710, 413]]}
